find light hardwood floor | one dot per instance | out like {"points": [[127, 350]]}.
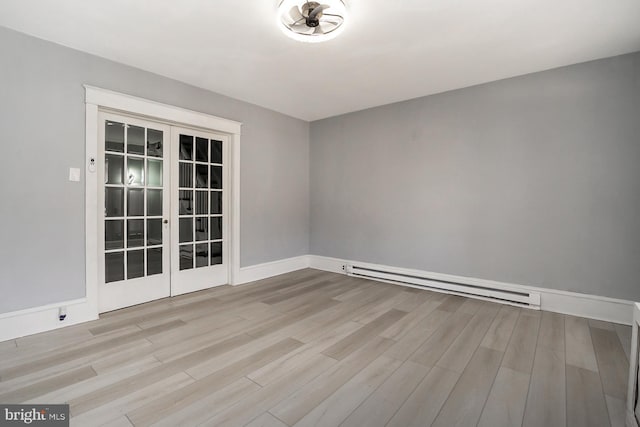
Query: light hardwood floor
{"points": [[312, 348]]}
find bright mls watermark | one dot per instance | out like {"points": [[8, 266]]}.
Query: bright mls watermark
{"points": [[34, 415]]}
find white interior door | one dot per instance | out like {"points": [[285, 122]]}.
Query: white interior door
{"points": [[163, 206], [133, 211], [199, 220]]}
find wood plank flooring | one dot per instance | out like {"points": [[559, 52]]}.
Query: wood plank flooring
{"points": [[312, 348]]}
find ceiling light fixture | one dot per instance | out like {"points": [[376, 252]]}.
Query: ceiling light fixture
{"points": [[312, 21]]}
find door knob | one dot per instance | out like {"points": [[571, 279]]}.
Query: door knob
{"points": [[166, 221]]}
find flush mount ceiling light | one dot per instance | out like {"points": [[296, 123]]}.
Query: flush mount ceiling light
{"points": [[312, 21]]}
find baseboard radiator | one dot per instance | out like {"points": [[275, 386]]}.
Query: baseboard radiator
{"points": [[484, 291]]}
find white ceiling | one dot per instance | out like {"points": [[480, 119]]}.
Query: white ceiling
{"points": [[390, 50]]}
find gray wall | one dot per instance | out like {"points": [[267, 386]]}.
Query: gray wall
{"points": [[532, 180], [42, 131]]}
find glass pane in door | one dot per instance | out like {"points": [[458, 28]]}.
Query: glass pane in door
{"points": [[200, 201], [135, 139], [202, 255], [114, 137], [216, 152], [113, 202], [114, 169], [154, 261], [202, 150], [154, 143], [135, 202], [154, 202], [114, 234], [114, 266], [216, 253], [186, 257], [135, 264]]}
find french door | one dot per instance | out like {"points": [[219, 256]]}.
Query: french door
{"points": [[199, 226], [161, 211]]}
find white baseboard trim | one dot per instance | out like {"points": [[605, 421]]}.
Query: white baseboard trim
{"points": [[41, 319], [585, 305], [31, 321], [327, 263], [572, 303], [270, 269]]}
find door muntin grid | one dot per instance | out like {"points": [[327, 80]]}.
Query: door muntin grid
{"points": [[200, 219], [134, 192]]}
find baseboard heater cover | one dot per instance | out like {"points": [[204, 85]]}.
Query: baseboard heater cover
{"points": [[517, 297]]}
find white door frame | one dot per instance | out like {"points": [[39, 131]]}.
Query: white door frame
{"points": [[97, 99]]}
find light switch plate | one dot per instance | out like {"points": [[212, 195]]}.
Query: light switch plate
{"points": [[74, 174]]}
